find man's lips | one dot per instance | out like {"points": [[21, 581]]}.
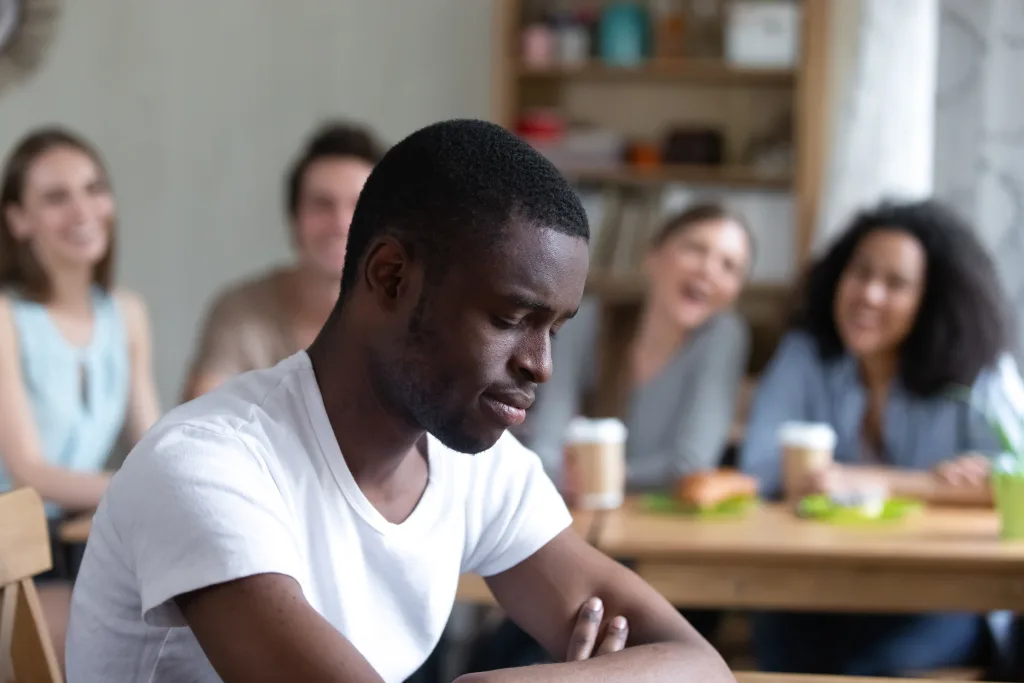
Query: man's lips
{"points": [[507, 408]]}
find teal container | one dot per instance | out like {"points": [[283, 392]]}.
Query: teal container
{"points": [[624, 35]]}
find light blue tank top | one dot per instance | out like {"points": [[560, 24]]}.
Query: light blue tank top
{"points": [[78, 394]]}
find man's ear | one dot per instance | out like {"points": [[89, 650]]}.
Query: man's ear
{"points": [[391, 275]]}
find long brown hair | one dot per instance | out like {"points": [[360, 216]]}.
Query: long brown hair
{"points": [[19, 267], [699, 213], [614, 379]]}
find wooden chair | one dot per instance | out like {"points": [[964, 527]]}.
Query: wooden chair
{"points": [[26, 653]]}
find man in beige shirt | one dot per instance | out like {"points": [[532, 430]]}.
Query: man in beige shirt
{"points": [[256, 323]]}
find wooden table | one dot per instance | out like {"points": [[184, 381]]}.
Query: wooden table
{"points": [[941, 559], [472, 588], [745, 677]]}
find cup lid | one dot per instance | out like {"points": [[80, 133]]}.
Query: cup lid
{"points": [[586, 430], [808, 435]]}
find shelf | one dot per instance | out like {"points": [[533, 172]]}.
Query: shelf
{"points": [[726, 176], [713, 71], [616, 289], [629, 288]]}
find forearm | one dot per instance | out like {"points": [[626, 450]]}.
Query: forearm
{"points": [[68, 489], [144, 412], [655, 663], [928, 487]]}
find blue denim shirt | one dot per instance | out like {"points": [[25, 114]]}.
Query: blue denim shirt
{"points": [[917, 432]]}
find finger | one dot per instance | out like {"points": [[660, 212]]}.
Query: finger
{"points": [[584, 635], [978, 467], [815, 482], [948, 473], [614, 637], [970, 476], [953, 472]]}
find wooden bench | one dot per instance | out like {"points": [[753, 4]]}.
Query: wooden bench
{"points": [[744, 677]]}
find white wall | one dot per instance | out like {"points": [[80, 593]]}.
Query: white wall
{"points": [[198, 107], [882, 71]]}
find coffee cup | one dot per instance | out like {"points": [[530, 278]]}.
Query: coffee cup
{"points": [[807, 448], [594, 464]]}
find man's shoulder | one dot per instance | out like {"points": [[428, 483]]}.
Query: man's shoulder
{"points": [[236, 418], [251, 299], [506, 465]]}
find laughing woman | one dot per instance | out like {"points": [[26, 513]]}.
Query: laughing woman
{"points": [[678, 387], [903, 309], [74, 352]]}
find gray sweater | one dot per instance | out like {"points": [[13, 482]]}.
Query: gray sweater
{"points": [[678, 421]]}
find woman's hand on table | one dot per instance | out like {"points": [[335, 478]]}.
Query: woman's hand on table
{"points": [[961, 481], [971, 469], [840, 479]]}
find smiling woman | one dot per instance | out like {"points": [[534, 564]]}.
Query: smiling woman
{"points": [[677, 388], [676, 391], [904, 308], [74, 352]]}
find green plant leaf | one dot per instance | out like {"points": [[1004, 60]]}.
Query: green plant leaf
{"points": [[1004, 438]]}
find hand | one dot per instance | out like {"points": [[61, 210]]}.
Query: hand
{"points": [[588, 625], [838, 480], [967, 470]]}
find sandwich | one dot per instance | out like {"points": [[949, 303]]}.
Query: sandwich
{"points": [[710, 489]]}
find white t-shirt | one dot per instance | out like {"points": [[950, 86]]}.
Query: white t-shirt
{"points": [[249, 479]]}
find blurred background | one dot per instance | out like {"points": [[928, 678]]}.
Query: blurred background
{"points": [[794, 114], [198, 107]]}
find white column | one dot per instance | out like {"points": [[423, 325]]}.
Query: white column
{"points": [[883, 68], [979, 144]]}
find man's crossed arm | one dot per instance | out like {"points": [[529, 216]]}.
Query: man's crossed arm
{"points": [[543, 594], [261, 628]]}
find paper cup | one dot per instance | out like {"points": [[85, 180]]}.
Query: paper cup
{"points": [[594, 467], [807, 447]]}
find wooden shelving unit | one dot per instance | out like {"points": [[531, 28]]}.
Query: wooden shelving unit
{"points": [[686, 70], [727, 176], [643, 103]]}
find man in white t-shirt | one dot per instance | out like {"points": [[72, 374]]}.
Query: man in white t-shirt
{"points": [[309, 522]]}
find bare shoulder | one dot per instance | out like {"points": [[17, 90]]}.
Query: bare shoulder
{"points": [[136, 319], [6, 314], [132, 305], [8, 338]]}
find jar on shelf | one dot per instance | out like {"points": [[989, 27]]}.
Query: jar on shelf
{"points": [[624, 34], [704, 29], [668, 18], [538, 49], [572, 38]]}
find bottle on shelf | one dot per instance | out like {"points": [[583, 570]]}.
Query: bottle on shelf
{"points": [[669, 23]]}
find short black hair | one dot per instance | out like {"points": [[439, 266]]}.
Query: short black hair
{"points": [[334, 139], [962, 325], [455, 186]]}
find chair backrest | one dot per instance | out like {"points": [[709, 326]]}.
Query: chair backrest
{"points": [[26, 653]]}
